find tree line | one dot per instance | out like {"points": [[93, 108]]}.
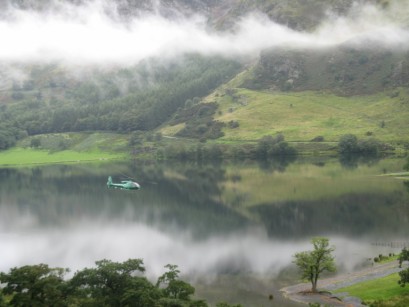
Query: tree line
{"points": [[108, 284]]}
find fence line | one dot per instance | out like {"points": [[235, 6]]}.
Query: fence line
{"points": [[397, 244]]}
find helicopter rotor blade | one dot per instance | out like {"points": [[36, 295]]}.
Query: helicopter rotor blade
{"points": [[127, 176]]}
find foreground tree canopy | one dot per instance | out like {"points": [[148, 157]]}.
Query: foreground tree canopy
{"points": [[313, 263], [108, 284]]}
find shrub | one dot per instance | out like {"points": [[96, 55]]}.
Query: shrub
{"points": [[233, 124], [319, 138], [35, 142], [348, 143], [369, 146], [269, 146]]}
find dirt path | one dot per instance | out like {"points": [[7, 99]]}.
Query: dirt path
{"points": [[300, 293]]}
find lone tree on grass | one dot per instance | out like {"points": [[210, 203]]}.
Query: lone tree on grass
{"points": [[313, 263]]}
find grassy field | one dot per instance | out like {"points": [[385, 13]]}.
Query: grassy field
{"points": [[303, 116], [22, 156], [385, 289], [66, 148]]}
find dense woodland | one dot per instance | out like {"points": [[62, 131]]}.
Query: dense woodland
{"points": [[139, 98]]}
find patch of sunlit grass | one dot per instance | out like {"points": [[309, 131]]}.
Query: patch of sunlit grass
{"points": [[24, 156], [385, 288]]}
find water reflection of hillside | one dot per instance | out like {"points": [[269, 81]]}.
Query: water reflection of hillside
{"points": [[295, 199], [356, 215], [186, 198]]}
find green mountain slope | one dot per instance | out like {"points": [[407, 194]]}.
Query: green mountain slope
{"points": [[304, 93], [305, 116], [345, 70]]}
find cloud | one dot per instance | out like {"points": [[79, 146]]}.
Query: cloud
{"points": [[93, 33]]}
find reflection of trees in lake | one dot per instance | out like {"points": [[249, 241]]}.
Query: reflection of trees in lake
{"points": [[353, 215], [278, 163], [192, 197], [184, 196], [352, 160], [406, 184]]}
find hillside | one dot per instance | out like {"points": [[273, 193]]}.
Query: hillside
{"points": [[305, 116], [220, 15], [231, 71], [344, 70]]}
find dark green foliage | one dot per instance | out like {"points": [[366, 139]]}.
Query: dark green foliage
{"points": [[273, 151], [349, 144], [313, 263], [2, 300], [369, 146], [199, 122], [35, 142], [199, 152], [376, 259], [108, 284], [404, 256], [318, 139], [404, 278], [269, 146], [10, 132], [137, 98], [36, 285], [136, 138], [233, 124]]}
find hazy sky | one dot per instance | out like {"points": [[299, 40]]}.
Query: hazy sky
{"points": [[85, 34]]}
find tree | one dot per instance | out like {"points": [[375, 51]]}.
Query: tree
{"points": [[313, 263], [35, 142], [34, 285], [348, 143], [404, 277], [176, 288], [2, 300], [112, 284], [176, 291], [404, 256]]}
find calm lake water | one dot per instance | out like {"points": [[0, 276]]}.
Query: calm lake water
{"points": [[231, 228]]}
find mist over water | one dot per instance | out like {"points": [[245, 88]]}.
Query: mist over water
{"points": [[95, 33], [66, 217], [83, 241]]}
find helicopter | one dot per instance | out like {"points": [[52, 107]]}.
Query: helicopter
{"points": [[124, 185]]}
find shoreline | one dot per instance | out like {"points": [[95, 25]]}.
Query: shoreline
{"points": [[300, 293]]}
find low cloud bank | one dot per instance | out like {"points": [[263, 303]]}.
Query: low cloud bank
{"points": [[88, 34]]}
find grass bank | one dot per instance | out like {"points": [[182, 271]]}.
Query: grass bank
{"points": [[66, 148], [24, 156], [384, 291]]}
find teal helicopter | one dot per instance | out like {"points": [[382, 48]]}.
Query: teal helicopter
{"points": [[124, 185]]}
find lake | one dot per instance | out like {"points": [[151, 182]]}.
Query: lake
{"points": [[232, 228]]}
